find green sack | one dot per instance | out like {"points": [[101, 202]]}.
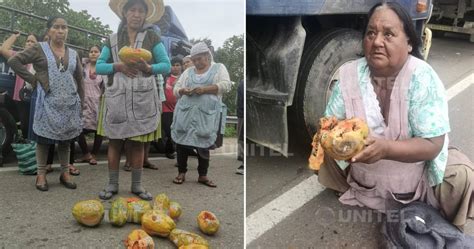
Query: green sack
{"points": [[26, 155]]}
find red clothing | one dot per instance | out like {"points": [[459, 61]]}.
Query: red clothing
{"points": [[170, 103]]}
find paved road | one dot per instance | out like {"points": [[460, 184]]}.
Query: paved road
{"points": [[33, 219], [285, 200]]}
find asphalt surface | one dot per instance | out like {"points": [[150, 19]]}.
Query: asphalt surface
{"points": [[33, 219], [323, 222]]}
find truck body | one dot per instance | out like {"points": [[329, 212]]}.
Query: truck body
{"points": [[294, 50], [453, 16]]}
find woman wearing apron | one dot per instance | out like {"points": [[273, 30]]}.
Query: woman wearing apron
{"points": [[132, 107], [404, 103], [197, 116], [58, 82]]}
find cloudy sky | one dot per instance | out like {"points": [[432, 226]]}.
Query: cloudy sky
{"points": [[213, 19]]}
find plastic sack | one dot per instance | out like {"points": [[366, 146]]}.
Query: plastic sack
{"points": [[118, 212], [155, 222], [26, 155]]}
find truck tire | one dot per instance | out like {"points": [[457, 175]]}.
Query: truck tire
{"points": [[8, 130], [321, 60]]}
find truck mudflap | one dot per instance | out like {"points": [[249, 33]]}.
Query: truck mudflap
{"points": [[274, 49]]}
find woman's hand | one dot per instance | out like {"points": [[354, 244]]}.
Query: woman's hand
{"points": [[143, 66], [185, 91], [375, 150], [199, 90], [130, 72]]}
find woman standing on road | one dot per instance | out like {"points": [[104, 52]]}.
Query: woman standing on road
{"points": [[93, 88], [58, 80], [132, 106], [197, 113], [22, 106], [403, 101]]}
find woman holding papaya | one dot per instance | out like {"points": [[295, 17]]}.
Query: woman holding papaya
{"points": [[403, 102], [132, 107]]}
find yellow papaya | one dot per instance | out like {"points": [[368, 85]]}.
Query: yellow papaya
{"points": [[118, 212], [208, 222], [155, 222], [341, 140], [182, 238], [175, 210], [162, 203], [89, 213], [135, 210], [130, 55], [139, 239], [194, 246]]}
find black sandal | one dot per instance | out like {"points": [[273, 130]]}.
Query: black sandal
{"points": [[179, 179]]}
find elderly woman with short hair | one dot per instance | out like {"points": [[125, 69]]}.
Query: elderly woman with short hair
{"points": [[197, 114]]}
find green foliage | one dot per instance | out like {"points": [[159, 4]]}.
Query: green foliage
{"points": [[230, 131], [45, 9], [231, 54]]}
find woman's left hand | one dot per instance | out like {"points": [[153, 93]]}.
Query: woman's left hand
{"points": [[143, 66], [199, 90], [375, 150]]}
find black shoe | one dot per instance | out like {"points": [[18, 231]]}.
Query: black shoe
{"points": [[170, 155], [42, 187], [67, 184], [240, 170]]}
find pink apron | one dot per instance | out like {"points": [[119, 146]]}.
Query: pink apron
{"points": [[382, 184]]}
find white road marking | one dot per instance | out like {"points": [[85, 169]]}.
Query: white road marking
{"points": [[460, 86], [9, 169], [275, 211]]}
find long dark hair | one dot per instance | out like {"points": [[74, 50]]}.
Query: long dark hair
{"points": [[408, 26]]}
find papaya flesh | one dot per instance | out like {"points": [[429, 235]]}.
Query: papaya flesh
{"points": [[341, 140], [139, 239], [130, 55], [208, 222]]}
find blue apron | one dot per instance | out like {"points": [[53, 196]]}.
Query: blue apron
{"points": [[58, 111], [196, 117]]}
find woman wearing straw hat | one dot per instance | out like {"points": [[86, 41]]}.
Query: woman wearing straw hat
{"points": [[132, 106], [197, 113]]}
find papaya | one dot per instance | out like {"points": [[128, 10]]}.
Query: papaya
{"points": [[184, 238], [118, 212], [139, 239], [341, 140], [208, 222], [194, 246], [130, 55], [162, 203], [155, 222], [135, 209], [89, 213], [175, 210]]}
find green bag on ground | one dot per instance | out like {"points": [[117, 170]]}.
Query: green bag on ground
{"points": [[26, 155]]}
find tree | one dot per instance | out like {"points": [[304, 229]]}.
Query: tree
{"points": [[45, 9], [231, 54]]}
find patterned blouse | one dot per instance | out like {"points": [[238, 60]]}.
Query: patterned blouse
{"points": [[427, 111]]}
